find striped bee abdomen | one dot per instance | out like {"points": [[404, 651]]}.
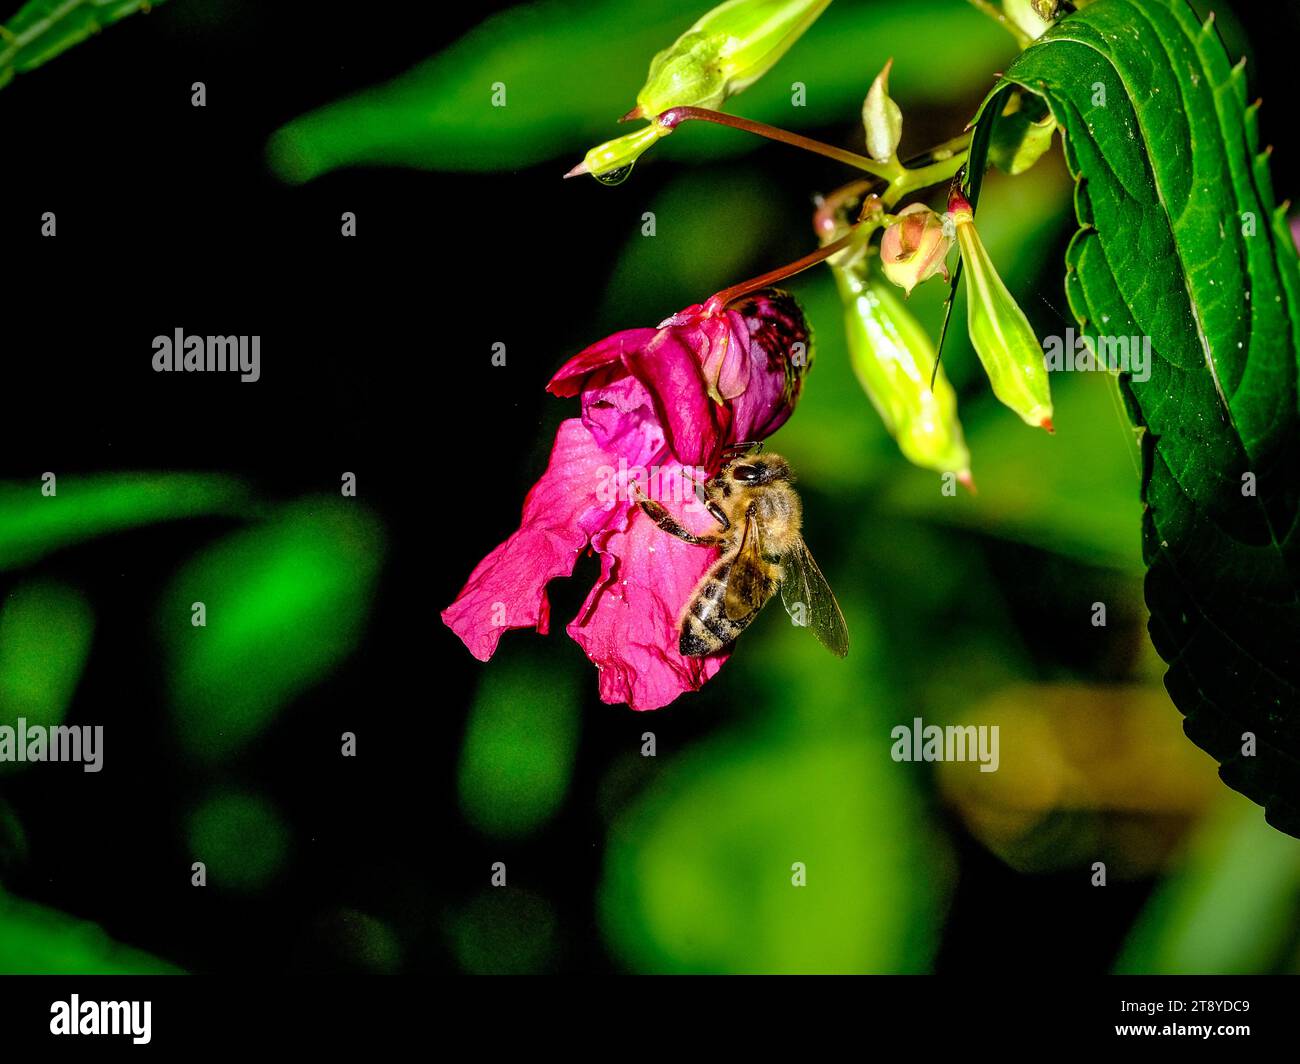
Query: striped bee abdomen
{"points": [[705, 627]]}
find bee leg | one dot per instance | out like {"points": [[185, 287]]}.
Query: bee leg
{"points": [[669, 524]]}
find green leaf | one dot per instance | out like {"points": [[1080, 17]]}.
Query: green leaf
{"points": [[44, 28], [720, 894], [35, 940], [570, 69], [45, 635], [282, 605], [33, 523], [520, 743], [1022, 134], [1227, 910], [1170, 182], [242, 840]]}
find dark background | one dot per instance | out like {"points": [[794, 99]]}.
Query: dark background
{"points": [[375, 359]]}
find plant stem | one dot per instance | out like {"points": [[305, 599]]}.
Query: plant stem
{"points": [[826, 219], [999, 16], [946, 160], [674, 116], [729, 295]]}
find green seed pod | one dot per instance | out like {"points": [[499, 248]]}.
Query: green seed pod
{"points": [[893, 358], [726, 51], [999, 330]]}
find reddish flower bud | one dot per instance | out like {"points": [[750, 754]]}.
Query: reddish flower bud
{"points": [[914, 248]]}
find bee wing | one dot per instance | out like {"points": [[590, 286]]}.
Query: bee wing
{"points": [[810, 602], [749, 583]]}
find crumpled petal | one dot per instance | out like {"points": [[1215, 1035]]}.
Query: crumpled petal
{"points": [[727, 362], [653, 400], [507, 589], [621, 418], [569, 377], [779, 356], [629, 625], [670, 370]]}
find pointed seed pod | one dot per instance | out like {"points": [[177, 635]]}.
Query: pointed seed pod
{"points": [[893, 358], [999, 331]]}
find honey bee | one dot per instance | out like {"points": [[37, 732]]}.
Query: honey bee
{"points": [[752, 498]]}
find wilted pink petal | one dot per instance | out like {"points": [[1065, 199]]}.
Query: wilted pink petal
{"points": [[568, 380], [780, 353], [652, 400], [621, 417], [727, 362], [629, 623], [508, 588], [669, 368]]}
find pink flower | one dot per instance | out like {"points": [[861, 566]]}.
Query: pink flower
{"points": [[654, 401]]}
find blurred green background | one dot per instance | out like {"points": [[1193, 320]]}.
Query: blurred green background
{"points": [[969, 609]]}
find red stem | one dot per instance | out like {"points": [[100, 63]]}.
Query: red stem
{"points": [[674, 116], [736, 291]]}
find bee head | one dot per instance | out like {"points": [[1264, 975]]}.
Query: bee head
{"points": [[758, 471]]}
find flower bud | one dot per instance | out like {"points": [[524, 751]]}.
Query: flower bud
{"points": [[726, 51], [882, 119], [914, 248], [713, 374], [612, 160], [893, 358], [999, 330]]}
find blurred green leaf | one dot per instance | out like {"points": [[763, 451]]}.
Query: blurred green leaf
{"points": [[32, 524], [361, 941], [284, 605], [44, 28], [14, 849], [1075, 493], [520, 742], [240, 838], [45, 633], [570, 69], [35, 940], [1230, 910], [698, 875], [504, 931], [685, 261]]}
